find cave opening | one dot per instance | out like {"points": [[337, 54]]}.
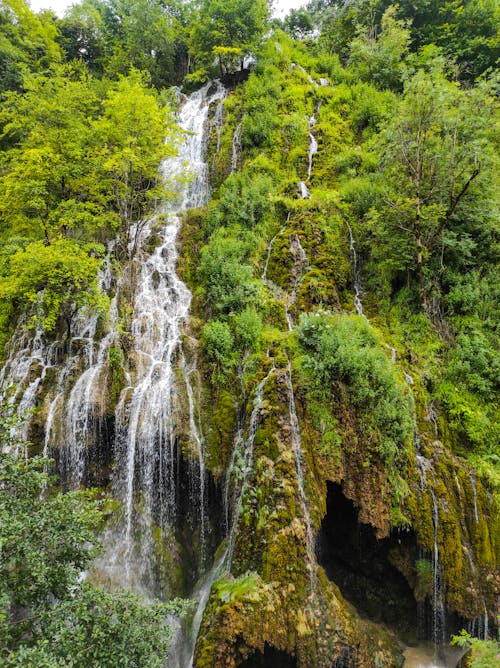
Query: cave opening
{"points": [[271, 658], [360, 564]]}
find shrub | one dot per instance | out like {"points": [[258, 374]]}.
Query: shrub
{"points": [[345, 349]]}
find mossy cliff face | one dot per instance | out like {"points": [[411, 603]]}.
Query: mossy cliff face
{"points": [[338, 421], [276, 594], [467, 529]]}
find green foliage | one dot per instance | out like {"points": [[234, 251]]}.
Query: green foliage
{"points": [[437, 157], [248, 329], [218, 342], [299, 23], [261, 107], [27, 43], [227, 30], [466, 30], [81, 163], [344, 349], [112, 37], [245, 198], [482, 653], [46, 542], [380, 58], [131, 138], [102, 629], [47, 616], [55, 279], [226, 278]]}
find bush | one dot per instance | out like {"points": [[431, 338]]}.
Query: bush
{"points": [[218, 343], [246, 198], [226, 278], [345, 349], [248, 328]]}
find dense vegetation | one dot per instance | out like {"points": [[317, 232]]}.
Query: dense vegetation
{"points": [[48, 616], [402, 100]]}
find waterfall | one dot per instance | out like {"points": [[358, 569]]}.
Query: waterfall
{"points": [[144, 443], [298, 453], [300, 268], [304, 191], [474, 494], [357, 287], [439, 619], [218, 121], [145, 449], [242, 461], [268, 255], [313, 146], [31, 357], [198, 441], [236, 148], [425, 468]]}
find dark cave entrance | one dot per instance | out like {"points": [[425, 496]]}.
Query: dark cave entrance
{"points": [[360, 565], [272, 658]]}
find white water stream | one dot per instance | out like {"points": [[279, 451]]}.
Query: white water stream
{"points": [[146, 416]]}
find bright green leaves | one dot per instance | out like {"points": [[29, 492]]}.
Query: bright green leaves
{"points": [[98, 628], [113, 36], [481, 653], [131, 143], [227, 30], [85, 160], [218, 342], [55, 279], [84, 165], [381, 60], [344, 352], [48, 618], [246, 198], [437, 160], [46, 543], [27, 43]]}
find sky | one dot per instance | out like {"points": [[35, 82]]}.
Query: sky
{"points": [[281, 7]]}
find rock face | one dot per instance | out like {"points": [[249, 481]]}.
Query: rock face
{"points": [[332, 534]]}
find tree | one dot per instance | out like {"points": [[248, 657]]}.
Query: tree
{"points": [[133, 135], [48, 617], [379, 58], [84, 34], [227, 30], [436, 159], [299, 23], [55, 279], [27, 43], [50, 183], [46, 542]]}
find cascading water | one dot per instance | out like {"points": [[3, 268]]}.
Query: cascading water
{"points": [[144, 423], [357, 288], [313, 146], [236, 148], [241, 464], [31, 357], [145, 449], [301, 264], [425, 469], [268, 255], [218, 122], [474, 495], [200, 453], [311, 152], [298, 453]]}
